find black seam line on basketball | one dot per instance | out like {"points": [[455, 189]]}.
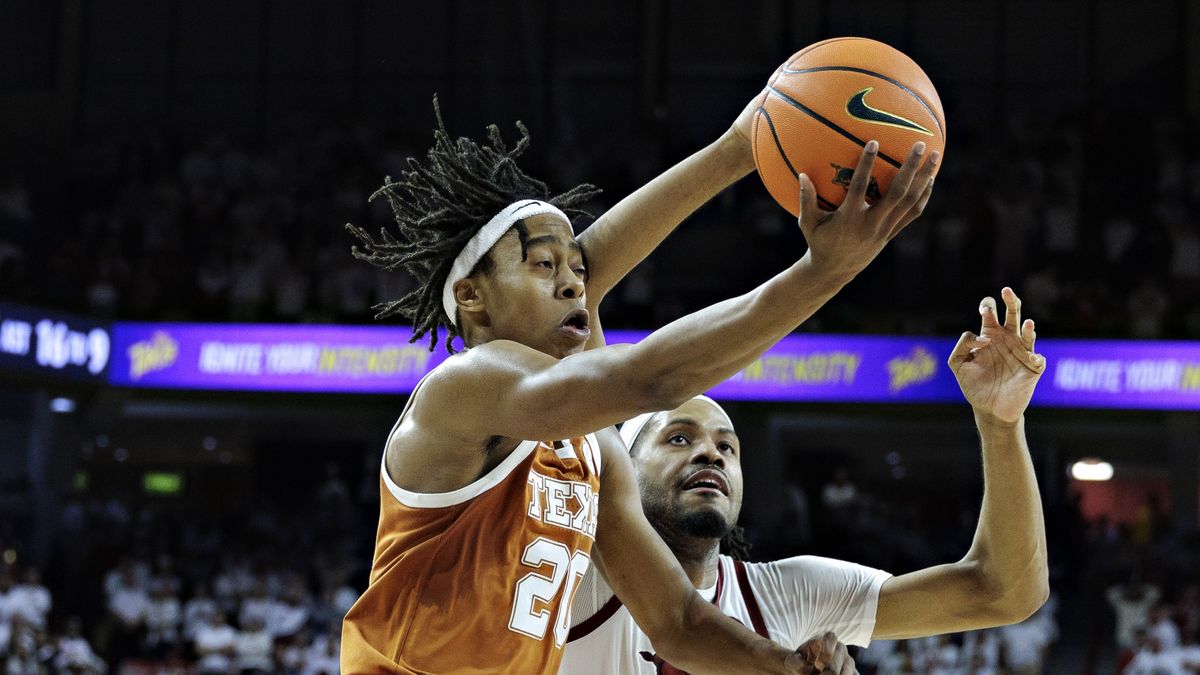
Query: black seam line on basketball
{"points": [[864, 71], [771, 125], [817, 116]]}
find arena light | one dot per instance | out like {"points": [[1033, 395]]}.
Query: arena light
{"points": [[62, 405], [1092, 469], [162, 483]]}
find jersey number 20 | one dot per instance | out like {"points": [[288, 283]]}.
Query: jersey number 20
{"points": [[535, 592]]}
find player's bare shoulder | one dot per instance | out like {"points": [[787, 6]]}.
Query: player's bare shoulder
{"points": [[447, 434]]}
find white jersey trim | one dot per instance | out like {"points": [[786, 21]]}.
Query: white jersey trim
{"points": [[437, 500]]}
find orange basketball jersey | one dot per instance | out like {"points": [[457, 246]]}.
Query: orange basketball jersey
{"points": [[480, 579]]}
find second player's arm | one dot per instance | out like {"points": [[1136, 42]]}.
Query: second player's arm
{"points": [[1003, 578]]}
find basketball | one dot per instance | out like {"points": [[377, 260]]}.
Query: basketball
{"points": [[826, 102]]}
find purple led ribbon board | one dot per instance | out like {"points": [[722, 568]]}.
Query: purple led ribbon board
{"points": [[823, 368]]}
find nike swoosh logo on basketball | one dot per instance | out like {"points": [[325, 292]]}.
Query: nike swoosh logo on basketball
{"points": [[858, 109]]}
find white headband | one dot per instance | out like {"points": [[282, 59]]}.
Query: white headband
{"points": [[485, 239], [632, 428]]}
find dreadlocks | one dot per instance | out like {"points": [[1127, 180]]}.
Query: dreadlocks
{"points": [[438, 206]]}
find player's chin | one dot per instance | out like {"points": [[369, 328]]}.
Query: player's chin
{"points": [[708, 520]]}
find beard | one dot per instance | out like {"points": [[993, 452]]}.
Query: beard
{"points": [[704, 523], [670, 517]]}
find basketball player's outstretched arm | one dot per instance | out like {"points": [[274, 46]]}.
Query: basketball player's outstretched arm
{"points": [[687, 631], [1003, 578], [631, 230], [502, 388]]}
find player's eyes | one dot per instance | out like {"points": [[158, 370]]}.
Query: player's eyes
{"points": [[581, 271], [546, 263], [678, 439], [725, 447]]}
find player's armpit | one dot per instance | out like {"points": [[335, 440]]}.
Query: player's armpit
{"points": [[686, 631], [942, 599]]}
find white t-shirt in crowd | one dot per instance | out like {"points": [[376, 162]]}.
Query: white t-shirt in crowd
{"points": [[1024, 642], [255, 650], [197, 612], [163, 614], [789, 601], [321, 659], [1131, 613], [75, 652], [212, 642], [31, 603], [1162, 663], [1167, 633], [129, 604]]}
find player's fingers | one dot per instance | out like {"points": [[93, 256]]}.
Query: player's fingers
{"points": [[904, 177], [845, 664], [819, 651], [806, 659], [1012, 310], [1028, 334], [987, 309], [914, 211], [967, 342], [798, 664], [810, 212], [856, 194]]}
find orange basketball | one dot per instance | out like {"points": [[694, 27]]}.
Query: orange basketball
{"points": [[822, 106]]}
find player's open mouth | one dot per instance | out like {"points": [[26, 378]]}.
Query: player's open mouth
{"points": [[707, 479], [575, 324]]}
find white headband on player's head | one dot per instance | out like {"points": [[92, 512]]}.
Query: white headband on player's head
{"points": [[485, 239], [631, 429]]}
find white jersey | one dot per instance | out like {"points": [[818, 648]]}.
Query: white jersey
{"points": [[789, 601]]}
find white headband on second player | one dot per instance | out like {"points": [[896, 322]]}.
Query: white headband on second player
{"points": [[485, 239], [632, 428]]}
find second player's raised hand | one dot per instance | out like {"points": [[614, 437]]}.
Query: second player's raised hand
{"points": [[998, 369], [845, 241], [823, 655]]}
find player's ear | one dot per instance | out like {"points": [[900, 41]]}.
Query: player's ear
{"points": [[468, 296]]}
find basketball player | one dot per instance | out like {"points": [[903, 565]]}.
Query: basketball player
{"points": [[487, 520], [688, 463]]}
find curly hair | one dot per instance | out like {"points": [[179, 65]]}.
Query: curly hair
{"points": [[438, 205]]}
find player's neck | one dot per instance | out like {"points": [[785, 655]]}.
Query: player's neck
{"points": [[697, 556]]}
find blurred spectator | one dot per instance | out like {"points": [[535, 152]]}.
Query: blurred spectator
{"points": [[75, 655], [215, 643], [163, 617], [1131, 603], [1162, 628], [322, 658], [198, 610], [839, 494], [1153, 659], [1024, 645], [128, 605], [30, 599], [254, 647]]}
